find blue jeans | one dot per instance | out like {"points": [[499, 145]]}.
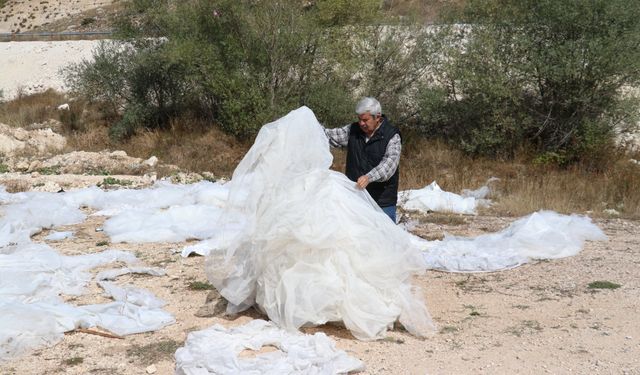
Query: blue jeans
{"points": [[391, 212]]}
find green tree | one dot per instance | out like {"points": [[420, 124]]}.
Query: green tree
{"points": [[545, 74], [240, 63]]}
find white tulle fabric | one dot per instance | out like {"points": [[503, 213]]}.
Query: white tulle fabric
{"points": [[315, 248]]}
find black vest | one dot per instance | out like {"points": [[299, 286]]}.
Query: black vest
{"points": [[364, 156]]}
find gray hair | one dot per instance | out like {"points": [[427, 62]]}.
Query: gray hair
{"points": [[368, 104]]}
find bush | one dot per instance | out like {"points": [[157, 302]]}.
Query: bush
{"points": [[240, 64], [541, 74]]}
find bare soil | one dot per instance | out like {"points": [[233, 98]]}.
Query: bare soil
{"points": [[539, 318]]}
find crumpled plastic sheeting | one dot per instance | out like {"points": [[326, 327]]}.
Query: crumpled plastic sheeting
{"points": [[433, 198], [152, 225], [130, 294], [541, 235], [216, 351], [58, 236], [314, 248], [32, 278], [23, 216]]}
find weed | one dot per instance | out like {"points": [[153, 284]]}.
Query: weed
{"points": [[107, 181], [102, 243], [449, 329], [603, 285], [155, 352], [53, 170], [199, 285], [473, 310], [526, 326], [393, 340], [445, 219], [521, 307], [4, 168], [73, 361], [87, 21]]}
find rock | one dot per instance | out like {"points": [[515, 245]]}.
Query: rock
{"points": [[611, 212], [63, 107], [34, 166], [15, 141], [22, 165], [151, 162], [214, 306], [151, 369], [52, 124], [118, 154], [47, 186]]}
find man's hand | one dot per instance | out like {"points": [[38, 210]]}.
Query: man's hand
{"points": [[362, 182]]}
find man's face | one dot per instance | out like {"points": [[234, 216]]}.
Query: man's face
{"points": [[368, 123]]}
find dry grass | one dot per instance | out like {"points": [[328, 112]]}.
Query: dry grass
{"points": [[190, 145], [523, 187], [29, 109]]}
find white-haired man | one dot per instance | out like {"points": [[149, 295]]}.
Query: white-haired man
{"points": [[373, 153]]}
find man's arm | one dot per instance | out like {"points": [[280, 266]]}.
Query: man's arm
{"points": [[338, 137], [387, 166]]}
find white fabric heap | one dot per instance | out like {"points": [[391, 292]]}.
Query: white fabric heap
{"points": [[541, 235], [433, 198], [32, 278], [315, 248], [216, 351]]}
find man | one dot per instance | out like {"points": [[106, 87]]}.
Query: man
{"points": [[373, 153]]}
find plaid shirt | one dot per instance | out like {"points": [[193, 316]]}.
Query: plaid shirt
{"points": [[339, 137]]}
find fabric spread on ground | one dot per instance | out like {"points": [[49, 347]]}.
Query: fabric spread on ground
{"points": [[217, 350], [286, 234]]}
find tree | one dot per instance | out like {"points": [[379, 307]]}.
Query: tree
{"points": [[544, 74]]}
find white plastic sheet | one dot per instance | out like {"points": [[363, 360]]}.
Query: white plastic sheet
{"points": [[32, 278], [541, 235], [314, 248], [433, 198], [216, 351]]}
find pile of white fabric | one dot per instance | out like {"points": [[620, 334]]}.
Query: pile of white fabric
{"points": [[217, 350], [314, 248], [541, 235], [433, 198]]}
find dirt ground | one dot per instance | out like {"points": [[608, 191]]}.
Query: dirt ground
{"points": [[539, 318]]}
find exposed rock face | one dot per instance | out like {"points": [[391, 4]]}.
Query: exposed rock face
{"points": [[103, 162], [16, 141]]}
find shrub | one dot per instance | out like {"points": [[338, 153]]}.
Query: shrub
{"points": [[243, 63], [545, 74]]}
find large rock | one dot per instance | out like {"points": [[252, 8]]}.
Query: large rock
{"points": [[18, 141], [103, 162]]}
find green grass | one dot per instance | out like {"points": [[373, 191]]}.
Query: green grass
{"points": [[107, 181], [603, 285], [199, 285], [49, 170], [102, 243], [4, 168]]}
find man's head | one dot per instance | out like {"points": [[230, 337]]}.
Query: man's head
{"points": [[369, 114]]}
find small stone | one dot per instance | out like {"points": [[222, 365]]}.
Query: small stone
{"points": [[151, 369], [152, 161]]}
